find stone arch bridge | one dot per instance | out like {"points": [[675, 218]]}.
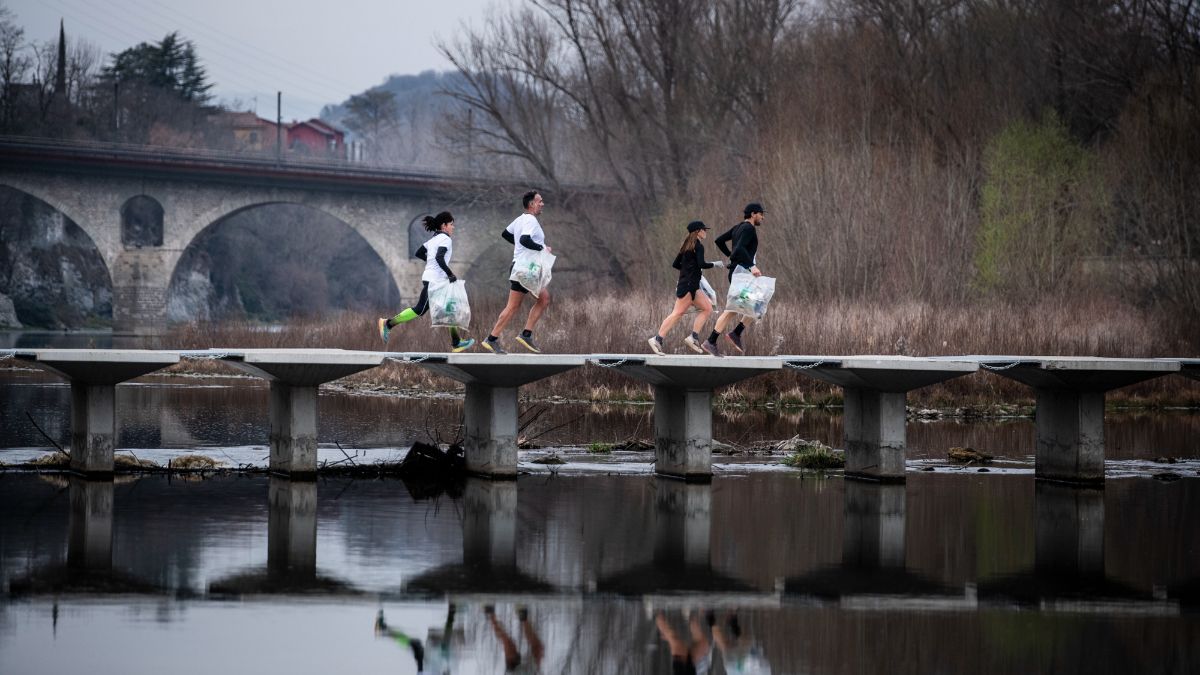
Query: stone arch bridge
{"points": [[142, 207]]}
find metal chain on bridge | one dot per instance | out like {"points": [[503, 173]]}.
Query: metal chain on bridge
{"points": [[614, 364], [788, 364], [996, 369], [405, 359], [216, 356], [5, 357]]}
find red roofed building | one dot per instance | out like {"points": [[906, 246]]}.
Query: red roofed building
{"points": [[315, 137]]}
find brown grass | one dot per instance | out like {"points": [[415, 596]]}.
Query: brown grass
{"points": [[620, 323]]}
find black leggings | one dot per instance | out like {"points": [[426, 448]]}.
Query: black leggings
{"points": [[422, 305]]}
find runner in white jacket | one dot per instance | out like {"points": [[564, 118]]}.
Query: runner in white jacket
{"points": [[436, 253], [524, 232]]}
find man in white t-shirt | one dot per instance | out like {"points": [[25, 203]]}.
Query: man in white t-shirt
{"points": [[524, 232]]}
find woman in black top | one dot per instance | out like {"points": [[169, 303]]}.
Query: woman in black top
{"points": [[689, 262]]}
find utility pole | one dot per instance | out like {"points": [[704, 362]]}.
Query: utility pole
{"points": [[279, 127]]}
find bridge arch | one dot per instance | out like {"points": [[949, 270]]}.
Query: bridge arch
{"points": [[52, 268], [317, 257]]}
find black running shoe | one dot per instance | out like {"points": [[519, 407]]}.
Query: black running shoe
{"points": [[736, 340], [493, 346]]}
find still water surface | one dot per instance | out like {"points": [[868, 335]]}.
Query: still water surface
{"points": [[953, 572]]}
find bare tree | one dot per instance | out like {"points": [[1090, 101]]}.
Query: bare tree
{"points": [[14, 65]]}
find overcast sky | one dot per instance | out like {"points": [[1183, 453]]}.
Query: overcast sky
{"points": [[315, 52]]}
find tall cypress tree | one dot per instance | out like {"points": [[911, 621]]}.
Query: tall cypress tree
{"points": [[60, 77]]}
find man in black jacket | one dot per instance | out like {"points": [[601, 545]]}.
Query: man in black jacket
{"points": [[744, 237]]}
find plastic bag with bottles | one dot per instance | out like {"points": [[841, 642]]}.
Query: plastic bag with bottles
{"points": [[749, 295], [448, 305], [531, 269]]}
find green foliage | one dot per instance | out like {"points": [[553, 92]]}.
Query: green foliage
{"points": [[597, 448], [169, 65], [1042, 211]]}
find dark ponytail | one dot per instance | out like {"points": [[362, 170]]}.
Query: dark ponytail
{"points": [[435, 223]]}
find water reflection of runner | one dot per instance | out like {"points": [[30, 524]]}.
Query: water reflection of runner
{"points": [[413, 644], [740, 653], [434, 656], [687, 658], [514, 660], [436, 253]]}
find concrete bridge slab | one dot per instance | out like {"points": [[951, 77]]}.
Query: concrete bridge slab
{"points": [[94, 375], [294, 376], [874, 392], [1070, 406], [490, 408], [1189, 368], [683, 391]]}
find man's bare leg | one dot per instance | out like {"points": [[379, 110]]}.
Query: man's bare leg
{"points": [[514, 304], [535, 313]]}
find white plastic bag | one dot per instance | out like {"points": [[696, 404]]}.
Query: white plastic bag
{"points": [[707, 289], [531, 269], [448, 305], [748, 294]]}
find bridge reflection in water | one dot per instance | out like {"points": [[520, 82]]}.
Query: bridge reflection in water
{"points": [[679, 561]]}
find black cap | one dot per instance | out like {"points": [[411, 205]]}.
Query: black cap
{"points": [[752, 208], [697, 225]]}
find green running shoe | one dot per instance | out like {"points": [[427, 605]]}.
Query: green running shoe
{"points": [[384, 331], [463, 345]]}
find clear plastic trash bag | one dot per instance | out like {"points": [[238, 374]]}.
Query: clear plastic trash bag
{"points": [[531, 269], [448, 305], [707, 289], [749, 295]]}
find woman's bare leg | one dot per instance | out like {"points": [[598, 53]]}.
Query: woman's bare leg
{"points": [[705, 306], [677, 312]]}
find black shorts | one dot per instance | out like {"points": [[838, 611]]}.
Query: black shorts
{"points": [[680, 293], [516, 286]]}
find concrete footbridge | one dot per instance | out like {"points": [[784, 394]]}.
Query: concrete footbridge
{"points": [[1069, 391]]}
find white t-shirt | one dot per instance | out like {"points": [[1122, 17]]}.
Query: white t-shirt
{"points": [[525, 224], [433, 271]]}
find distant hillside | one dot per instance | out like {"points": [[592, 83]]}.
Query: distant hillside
{"points": [[411, 91]]}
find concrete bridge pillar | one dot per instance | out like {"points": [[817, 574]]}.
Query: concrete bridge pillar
{"points": [[1070, 407], [490, 430], [683, 432], [140, 280], [93, 427], [683, 393], [490, 406], [874, 433], [1070, 435], [293, 440], [874, 391], [295, 376], [94, 374]]}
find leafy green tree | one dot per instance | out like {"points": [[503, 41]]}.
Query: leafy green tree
{"points": [[170, 65], [1043, 209]]}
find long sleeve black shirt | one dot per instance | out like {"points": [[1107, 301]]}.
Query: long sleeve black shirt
{"points": [[690, 264], [744, 237]]}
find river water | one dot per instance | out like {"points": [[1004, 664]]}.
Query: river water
{"points": [[613, 569]]}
